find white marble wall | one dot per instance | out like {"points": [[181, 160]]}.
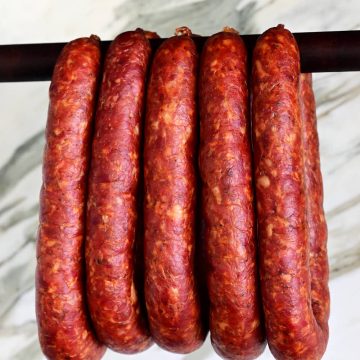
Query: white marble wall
{"points": [[23, 115]]}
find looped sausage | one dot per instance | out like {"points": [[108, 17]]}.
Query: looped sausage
{"points": [[316, 223], [64, 327], [113, 300], [227, 199], [293, 262], [171, 294]]}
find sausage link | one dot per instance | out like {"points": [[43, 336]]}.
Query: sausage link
{"points": [[227, 199], [316, 223], [112, 207], [171, 295], [63, 323], [292, 326]]}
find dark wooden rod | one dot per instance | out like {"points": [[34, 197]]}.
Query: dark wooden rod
{"points": [[331, 51]]}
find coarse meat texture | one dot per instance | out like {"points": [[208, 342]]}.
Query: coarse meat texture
{"points": [[171, 292], [236, 323], [148, 259], [316, 222], [293, 264], [63, 323], [112, 290]]}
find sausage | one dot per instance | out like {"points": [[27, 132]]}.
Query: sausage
{"points": [[63, 323], [293, 326], [171, 294], [227, 199], [113, 300], [316, 222]]}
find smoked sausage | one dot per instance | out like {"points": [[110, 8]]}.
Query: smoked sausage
{"points": [[293, 326], [171, 294], [227, 199], [63, 324], [119, 321], [316, 222]]}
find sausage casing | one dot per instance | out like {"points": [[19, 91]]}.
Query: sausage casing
{"points": [[316, 222], [171, 295], [64, 327], [112, 202], [294, 330], [227, 199]]}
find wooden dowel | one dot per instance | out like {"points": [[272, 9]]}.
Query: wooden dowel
{"points": [[332, 51]]}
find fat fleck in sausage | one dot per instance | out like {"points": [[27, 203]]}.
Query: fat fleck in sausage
{"points": [[171, 295], [294, 328], [64, 328], [112, 207], [227, 199]]}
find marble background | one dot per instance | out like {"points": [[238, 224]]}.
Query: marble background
{"points": [[23, 115]]}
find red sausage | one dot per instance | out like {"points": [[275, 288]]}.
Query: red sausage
{"points": [[294, 328], [64, 328], [227, 199], [171, 295], [113, 300], [316, 223]]}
